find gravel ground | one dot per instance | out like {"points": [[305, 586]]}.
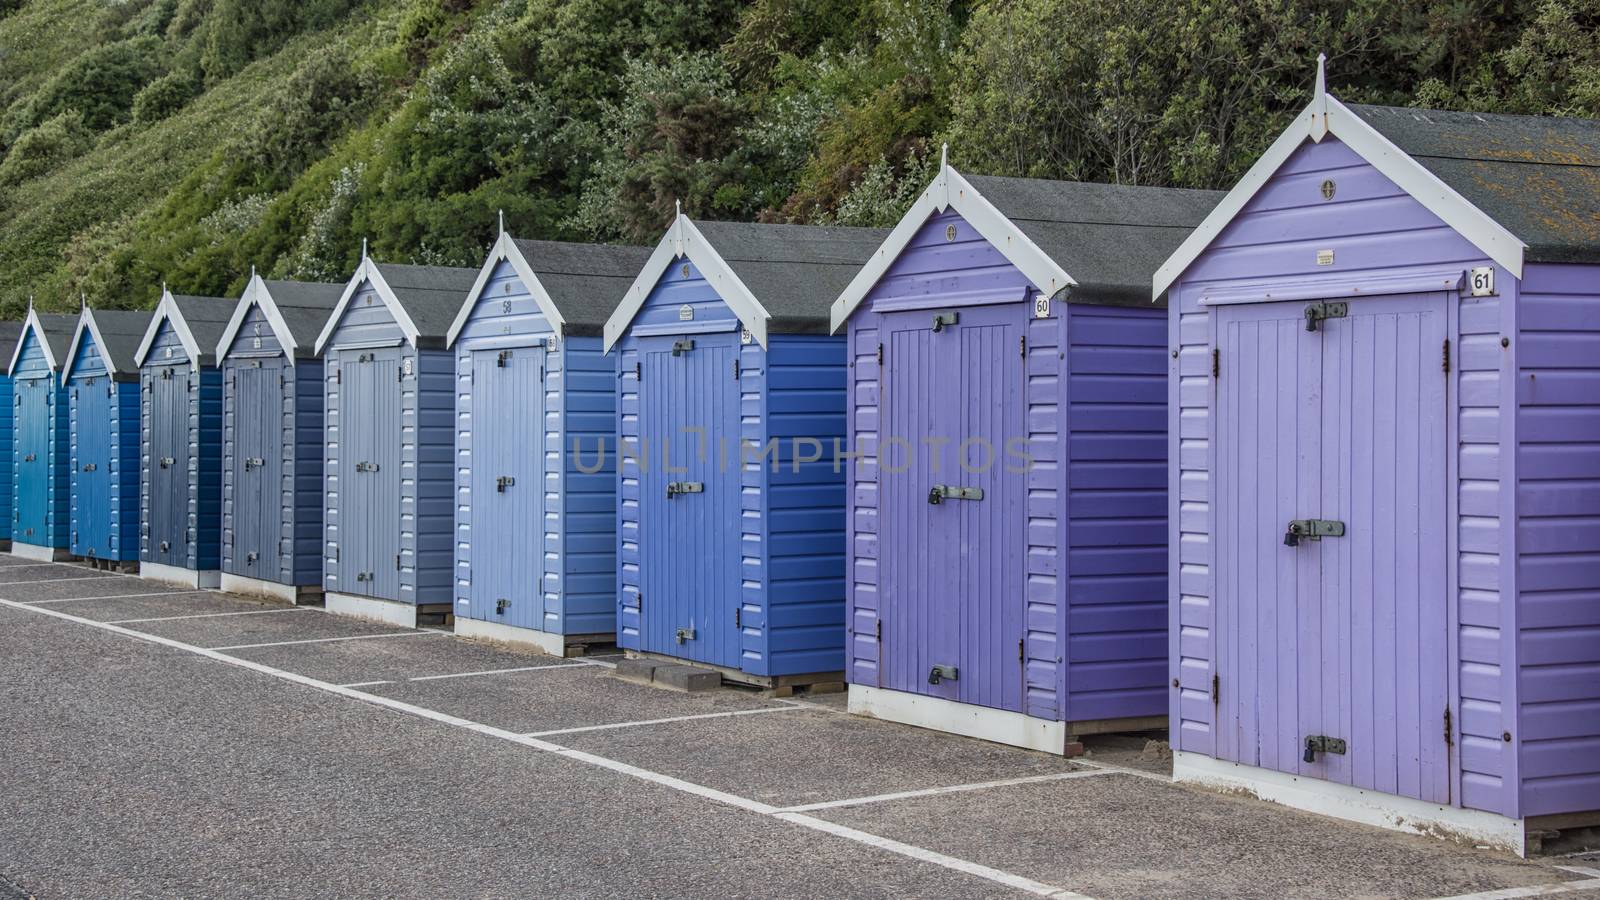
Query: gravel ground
{"points": [[136, 770]]}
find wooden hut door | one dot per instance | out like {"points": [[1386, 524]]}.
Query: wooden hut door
{"points": [[953, 569], [169, 465], [369, 515], [259, 433], [689, 498], [507, 487], [91, 437], [1332, 651], [33, 460]]}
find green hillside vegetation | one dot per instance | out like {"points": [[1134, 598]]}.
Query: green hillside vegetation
{"points": [[184, 141]]}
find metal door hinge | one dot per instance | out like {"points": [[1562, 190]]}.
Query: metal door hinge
{"points": [[879, 634], [1216, 362], [336, 554], [1216, 689], [1321, 743], [1021, 649], [399, 375], [397, 562], [736, 369], [1311, 530], [338, 376], [880, 354], [942, 492], [638, 371], [738, 617], [1318, 312], [283, 381], [1447, 356], [1022, 346], [1449, 730]]}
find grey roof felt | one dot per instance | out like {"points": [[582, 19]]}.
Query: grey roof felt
{"points": [[1538, 176], [58, 329], [10, 333], [430, 295], [207, 318], [794, 271], [585, 281], [305, 307], [121, 333], [1110, 238]]}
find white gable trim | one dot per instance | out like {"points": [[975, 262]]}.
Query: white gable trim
{"points": [[1324, 116], [367, 272], [167, 310], [684, 240], [950, 190], [257, 294], [506, 249], [31, 323], [86, 323]]}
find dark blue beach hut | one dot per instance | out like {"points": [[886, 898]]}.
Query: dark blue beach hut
{"points": [[41, 511], [1008, 514], [272, 398], [180, 420], [731, 525], [1385, 452], [535, 444], [102, 384], [9, 332], [388, 525]]}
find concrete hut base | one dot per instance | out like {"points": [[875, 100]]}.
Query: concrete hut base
{"points": [[201, 579], [373, 609], [40, 553], [544, 641], [272, 590]]}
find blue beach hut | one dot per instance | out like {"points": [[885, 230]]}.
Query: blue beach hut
{"points": [[390, 406], [102, 385], [272, 398], [40, 517], [723, 353], [9, 333], [535, 443], [180, 471]]}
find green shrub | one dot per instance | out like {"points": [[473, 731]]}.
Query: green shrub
{"points": [[46, 147], [165, 96], [100, 84]]}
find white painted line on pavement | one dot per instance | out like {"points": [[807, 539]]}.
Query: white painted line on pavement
{"points": [[494, 672], [978, 870], [354, 637], [108, 597], [1124, 770], [1537, 890], [243, 612], [356, 684], [952, 789], [636, 724], [6, 584]]}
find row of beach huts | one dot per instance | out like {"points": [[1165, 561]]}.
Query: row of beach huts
{"points": [[1307, 472]]}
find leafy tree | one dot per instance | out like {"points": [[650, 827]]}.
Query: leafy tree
{"points": [[165, 96], [45, 147]]}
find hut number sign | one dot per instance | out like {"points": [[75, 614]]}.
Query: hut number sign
{"points": [[686, 313], [1041, 307], [1481, 281]]}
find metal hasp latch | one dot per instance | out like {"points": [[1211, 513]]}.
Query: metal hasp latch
{"points": [[674, 488], [31, 457], [684, 634], [944, 320], [943, 673], [250, 559], [681, 347], [254, 462], [1311, 530], [366, 467], [89, 467], [1316, 312], [167, 461], [503, 482], [500, 606], [1321, 743], [942, 492]]}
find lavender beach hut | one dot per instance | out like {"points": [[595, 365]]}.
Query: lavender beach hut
{"points": [[1008, 520], [724, 559], [1385, 454], [536, 425]]}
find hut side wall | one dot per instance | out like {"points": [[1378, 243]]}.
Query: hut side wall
{"points": [[1372, 224], [303, 474], [936, 271], [427, 511], [1115, 509], [587, 500], [7, 441], [1558, 544]]}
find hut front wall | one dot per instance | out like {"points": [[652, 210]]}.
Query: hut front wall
{"points": [[936, 272], [1557, 358], [43, 511], [7, 440], [1380, 238], [190, 516], [508, 548], [104, 433], [284, 523]]}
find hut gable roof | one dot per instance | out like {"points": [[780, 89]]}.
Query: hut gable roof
{"points": [[1519, 188], [55, 336], [10, 336], [777, 277], [296, 310], [117, 335], [198, 321], [1538, 176], [423, 299], [575, 285]]}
